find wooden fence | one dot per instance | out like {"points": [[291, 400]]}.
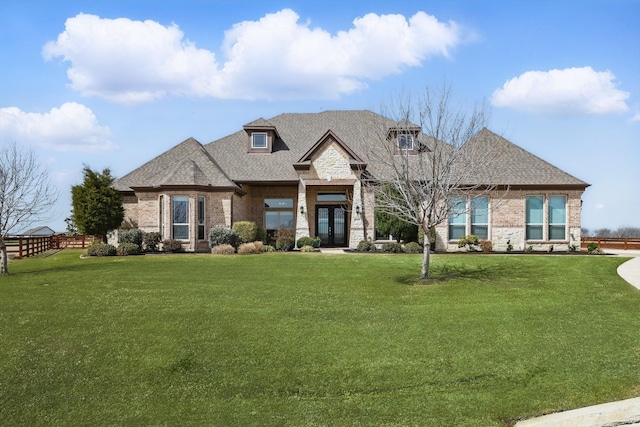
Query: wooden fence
{"points": [[23, 247], [625, 243]]}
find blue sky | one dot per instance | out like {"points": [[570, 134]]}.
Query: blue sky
{"points": [[115, 83]]}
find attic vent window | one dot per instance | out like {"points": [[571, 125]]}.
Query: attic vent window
{"points": [[259, 140], [405, 142]]}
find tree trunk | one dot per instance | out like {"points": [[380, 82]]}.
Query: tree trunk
{"points": [[425, 257], [3, 248]]}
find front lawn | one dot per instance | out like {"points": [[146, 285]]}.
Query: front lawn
{"points": [[312, 339]]}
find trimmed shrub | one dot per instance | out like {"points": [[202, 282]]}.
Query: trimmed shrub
{"points": [[247, 248], [132, 235], [261, 234], [413, 248], [366, 246], [223, 250], [392, 247], [222, 236], [171, 245], [470, 241], [246, 231], [486, 245], [592, 247], [151, 241], [304, 241], [317, 242], [285, 239], [125, 249], [101, 249], [307, 248]]}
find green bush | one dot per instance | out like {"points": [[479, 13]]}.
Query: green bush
{"points": [[101, 249], [247, 231], [224, 249], [304, 241], [392, 247], [151, 241], [132, 235], [261, 234], [268, 248], [413, 248], [285, 239], [366, 246], [307, 248], [317, 242], [125, 249], [592, 246], [171, 245], [469, 241], [222, 236]]}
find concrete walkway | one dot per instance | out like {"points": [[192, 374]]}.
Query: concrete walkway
{"points": [[623, 413]]}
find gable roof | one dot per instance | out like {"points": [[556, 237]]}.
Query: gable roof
{"points": [[43, 230], [226, 163], [186, 164]]}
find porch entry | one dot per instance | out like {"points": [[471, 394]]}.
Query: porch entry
{"points": [[331, 225]]}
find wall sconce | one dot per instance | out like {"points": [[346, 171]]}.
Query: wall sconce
{"points": [[301, 209], [357, 209]]}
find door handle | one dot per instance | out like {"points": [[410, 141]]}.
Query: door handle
{"points": [[329, 230]]}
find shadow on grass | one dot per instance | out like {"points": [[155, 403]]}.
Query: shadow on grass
{"points": [[484, 274]]}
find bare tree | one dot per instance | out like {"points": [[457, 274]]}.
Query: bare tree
{"points": [[26, 193], [431, 154]]}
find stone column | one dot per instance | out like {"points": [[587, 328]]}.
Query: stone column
{"points": [[356, 232], [302, 219]]}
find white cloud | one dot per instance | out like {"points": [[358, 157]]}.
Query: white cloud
{"points": [[636, 118], [72, 127], [572, 91], [277, 56]]}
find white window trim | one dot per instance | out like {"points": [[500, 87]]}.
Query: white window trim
{"points": [[546, 223], [188, 223], [409, 137], [253, 140], [468, 218]]}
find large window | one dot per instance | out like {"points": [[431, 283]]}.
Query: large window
{"points": [[200, 218], [278, 213], [480, 217], [161, 216], [259, 140], [405, 142], [180, 217], [457, 217], [555, 219]]}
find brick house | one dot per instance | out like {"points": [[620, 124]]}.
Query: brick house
{"points": [[306, 171]]}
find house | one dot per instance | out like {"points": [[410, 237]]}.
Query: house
{"points": [[310, 171], [42, 231]]}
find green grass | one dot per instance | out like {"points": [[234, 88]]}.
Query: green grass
{"points": [[312, 339]]}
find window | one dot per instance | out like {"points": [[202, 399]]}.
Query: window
{"points": [[557, 217], [480, 217], [278, 213], [259, 140], [332, 197], [457, 217], [555, 220], [180, 217], [200, 218], [405, 142]]}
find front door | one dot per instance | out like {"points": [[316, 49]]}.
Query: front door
{"points": [[331, 225]]}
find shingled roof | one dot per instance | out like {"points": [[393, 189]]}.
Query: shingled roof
{"points": [[226, 162]]}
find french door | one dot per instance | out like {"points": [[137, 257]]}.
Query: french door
{"points": [[331, 225]]}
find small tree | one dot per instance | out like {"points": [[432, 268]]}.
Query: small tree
{"points": [[430, 154], [394, 225], [26, 193], [97, 206]]}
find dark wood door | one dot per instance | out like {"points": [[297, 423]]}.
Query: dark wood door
{"points": [[331, 225]]}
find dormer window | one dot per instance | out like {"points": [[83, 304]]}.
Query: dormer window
{"points": [[259, 140], [405, 142]]}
